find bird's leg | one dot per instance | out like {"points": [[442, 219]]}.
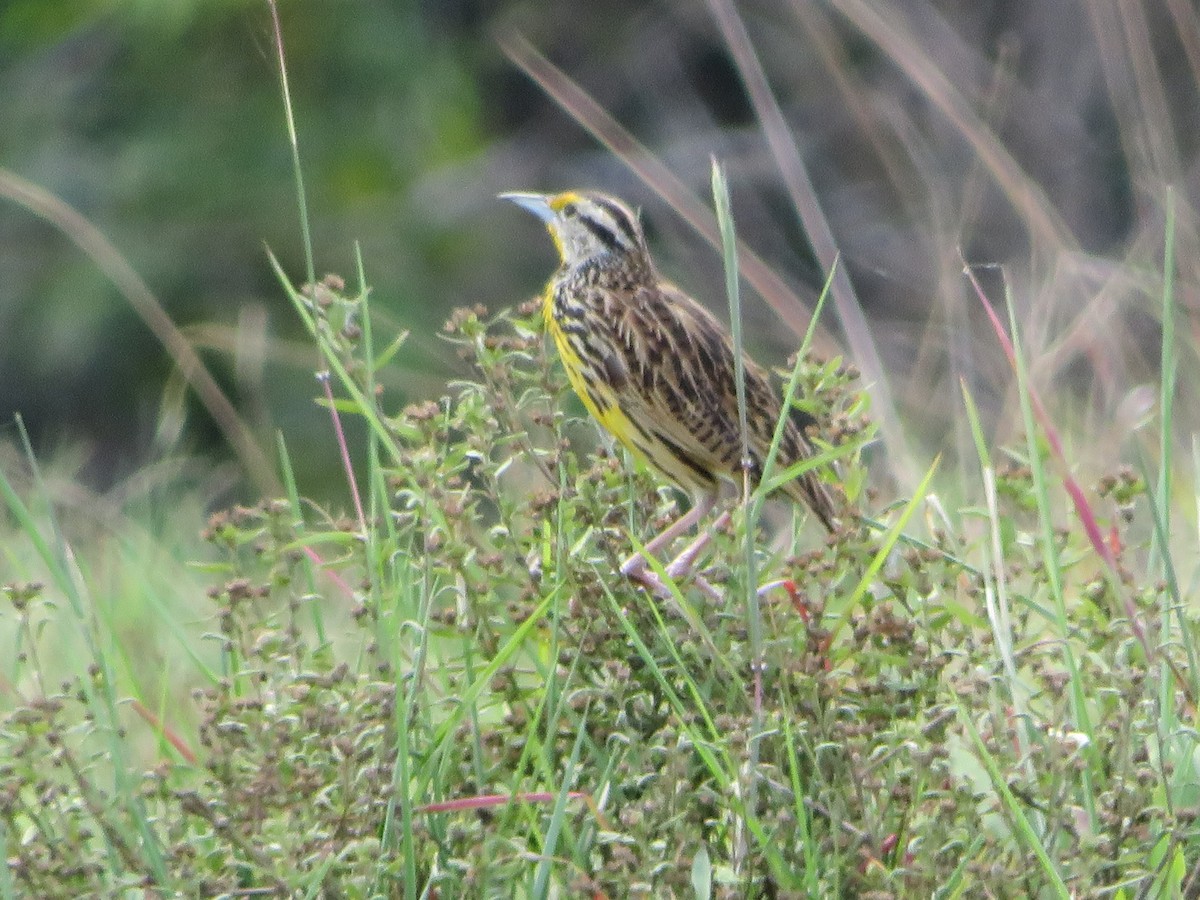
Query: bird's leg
{"points": [[682, 564], [635, 567]]}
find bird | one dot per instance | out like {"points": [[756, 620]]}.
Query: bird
{"points": [[656, 369]]}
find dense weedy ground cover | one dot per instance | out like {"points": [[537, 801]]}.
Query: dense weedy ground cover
{"points": [[984, 685], [456, 695]]}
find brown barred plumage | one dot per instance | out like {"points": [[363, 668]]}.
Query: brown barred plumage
{"points": [[654, 366]]}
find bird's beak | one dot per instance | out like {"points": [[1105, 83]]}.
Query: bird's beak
{"points": [[538, 204]]}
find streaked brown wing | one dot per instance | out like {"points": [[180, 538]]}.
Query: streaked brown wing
{"points": [[680, 389], [681, 378]]}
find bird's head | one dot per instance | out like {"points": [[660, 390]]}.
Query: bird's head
{"points": [[586, 226]]}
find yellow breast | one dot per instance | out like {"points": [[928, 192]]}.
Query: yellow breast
{"points": [[598, 397]]}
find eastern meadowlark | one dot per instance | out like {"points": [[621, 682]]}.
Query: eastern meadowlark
{"points": [[656, 369]]}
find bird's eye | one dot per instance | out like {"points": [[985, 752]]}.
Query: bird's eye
{"points": [[569, 211]]}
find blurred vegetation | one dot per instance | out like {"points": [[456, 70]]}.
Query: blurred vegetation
{"points": [[163, 124], [455, 697], [1005, 707]]}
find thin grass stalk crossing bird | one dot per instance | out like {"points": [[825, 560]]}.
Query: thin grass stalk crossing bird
{"points": [[656, 369]]}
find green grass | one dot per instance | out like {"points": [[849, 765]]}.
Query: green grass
{"points": [[457, 692], [984, 686]]}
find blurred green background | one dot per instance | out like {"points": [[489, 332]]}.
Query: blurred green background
{"points": [[162, 123]]}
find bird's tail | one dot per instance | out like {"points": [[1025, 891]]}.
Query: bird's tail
{"points": [[810, 489], [818, 496]]}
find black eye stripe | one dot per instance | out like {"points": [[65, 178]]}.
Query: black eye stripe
{"points": [[621, 217], [602, 234]]}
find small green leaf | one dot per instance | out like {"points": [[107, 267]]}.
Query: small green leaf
{"points": [[702, 874]]}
